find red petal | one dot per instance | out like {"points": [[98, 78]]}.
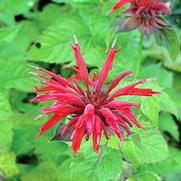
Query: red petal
{"points": [[117, 80], [89, 110], [125, 119], [81, 64], [71, 123], [142, 92], [42, 89], [125, 90], [89, 118], [96, 136], [44, 97], [106, 67], [74, 77], [123, 124], [77, 138], [163, 7], [94, 77], [59, 88], [119, 4], [61, 109], [120, 104], [51, 122], [61, 80], [71, 99], [131, 116], [79, 88], [112, 122]]}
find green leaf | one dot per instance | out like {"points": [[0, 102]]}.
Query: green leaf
{"points": [[167, 104], [8, 34], [46, 171], [169, 39], [152, 148], [27, 143], [55, 40], [150, 108], [168, 124], [44, 19], [17, 76], [10, 8], [144, 176], [90, 167], [6, 132], [176, 100], [8, 164], [171, 165], [125, 60], [164, 77], [91, 30]]}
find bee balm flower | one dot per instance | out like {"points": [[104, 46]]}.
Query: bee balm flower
{"points": [[94, 109], [143, 14]]}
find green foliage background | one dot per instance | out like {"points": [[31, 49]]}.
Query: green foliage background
{"points": [[39, 32]]}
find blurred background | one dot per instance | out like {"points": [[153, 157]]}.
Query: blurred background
{"points": [[38, 32]]}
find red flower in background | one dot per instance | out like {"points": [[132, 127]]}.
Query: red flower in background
{"points": [[95, 110], [143, 14]]}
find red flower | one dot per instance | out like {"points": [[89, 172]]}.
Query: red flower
{"points": [[144, 14], [95, 110]]}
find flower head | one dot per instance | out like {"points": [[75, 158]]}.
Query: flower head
{"points": [[143, 14], [94, 109]]}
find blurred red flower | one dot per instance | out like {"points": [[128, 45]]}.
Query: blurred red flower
{"points": [[143, 14], [94, 110]]}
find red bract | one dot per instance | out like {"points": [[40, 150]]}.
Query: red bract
{"points": [[94, 109], [143, 14]]}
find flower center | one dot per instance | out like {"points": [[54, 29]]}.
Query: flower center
{"points": [[97, 99]]}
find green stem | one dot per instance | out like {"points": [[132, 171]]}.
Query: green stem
{"points": [[138, 65]]}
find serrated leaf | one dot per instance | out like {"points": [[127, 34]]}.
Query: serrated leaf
{"points": [[154, 148], [144, 176], [42, 147], [91, 167], [166, 167], [150, 108], [91, 30], [54, 42], [17, 76]]}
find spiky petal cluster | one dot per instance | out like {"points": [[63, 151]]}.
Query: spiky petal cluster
{"points": [[94, 111], [143, 14]]}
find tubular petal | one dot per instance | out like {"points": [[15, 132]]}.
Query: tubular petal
{"points": [[125, 90], [77, 138], [131, 116], [142, 92], [120, 104], [116, 81], [106, 67], [71, 123], [61, 109], [81, 64], [51, 122], [61, 80], [119, 4], [111, 121]]}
